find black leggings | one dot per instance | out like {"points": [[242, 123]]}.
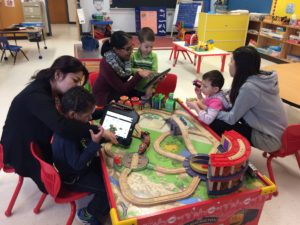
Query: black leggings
{"points": [[220, 126]]}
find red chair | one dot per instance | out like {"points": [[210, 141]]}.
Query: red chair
{"points": [[92, 78], [167, 85], [18, 187], [290, 146], [54, 186], [183, 51]]}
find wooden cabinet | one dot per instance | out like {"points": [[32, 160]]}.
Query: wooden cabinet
{"points": [[228, 31], [267, 35]]}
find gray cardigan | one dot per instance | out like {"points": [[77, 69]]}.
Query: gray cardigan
{"points": [[259, 104]]}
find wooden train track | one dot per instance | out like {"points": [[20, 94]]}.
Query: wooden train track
{"points": [[126, 192], [185, 131]]}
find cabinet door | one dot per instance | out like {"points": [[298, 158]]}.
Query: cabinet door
{"points": [[229, 45], [227, 22], [221, 35]]}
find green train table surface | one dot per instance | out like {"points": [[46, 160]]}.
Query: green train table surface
{"points": [[154, 188]]}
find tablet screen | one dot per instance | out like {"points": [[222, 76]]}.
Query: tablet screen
{"points": [[117, 123]]}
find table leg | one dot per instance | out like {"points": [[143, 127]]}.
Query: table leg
{"points": [[45, 46], [223, 59], [199, 63], [15, 38], [171, 54], [38, 45], [195, 60]]}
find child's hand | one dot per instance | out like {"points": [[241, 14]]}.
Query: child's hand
{"points": [[109, 136], [145, 73], [97, 137], [149, 92], [191, 104]]}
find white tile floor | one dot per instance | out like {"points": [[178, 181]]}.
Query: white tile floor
{"points": [[282, 210]]}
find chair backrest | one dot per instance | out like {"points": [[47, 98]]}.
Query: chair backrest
{"points": [[167, 85], [49, 175], [92, 78], [290, 140], [4, 43]]}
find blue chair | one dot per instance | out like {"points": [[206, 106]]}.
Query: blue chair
{"points": [[13, 49]]}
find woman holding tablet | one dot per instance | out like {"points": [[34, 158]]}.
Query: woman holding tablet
{"points": [[115, 77]]}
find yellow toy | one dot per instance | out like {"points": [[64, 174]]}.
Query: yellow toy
{"points": [[203, 46]]}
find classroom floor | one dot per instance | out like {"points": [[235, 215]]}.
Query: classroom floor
{"points": [[281, 210]]}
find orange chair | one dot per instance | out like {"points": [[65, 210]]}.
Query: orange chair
{"points": [[290, 146], [167, 85], [54, 186], [18, 187]]}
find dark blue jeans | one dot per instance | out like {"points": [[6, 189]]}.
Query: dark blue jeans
{"points": [[92, 182]]}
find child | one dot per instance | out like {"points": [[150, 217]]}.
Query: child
{"points": [[75, 160], [144, 58], [214, 101]]}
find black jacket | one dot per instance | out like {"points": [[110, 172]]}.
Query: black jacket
{"points": [[73, 158], [33, 116]]}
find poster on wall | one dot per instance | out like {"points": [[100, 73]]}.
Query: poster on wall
{"points": [[149, 19], [9, 3], [101, 7]]}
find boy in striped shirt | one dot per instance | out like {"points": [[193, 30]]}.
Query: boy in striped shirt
{"points": [[144, 58]]}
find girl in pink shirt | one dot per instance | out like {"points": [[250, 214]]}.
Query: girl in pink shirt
{"points": [[208, 107]]}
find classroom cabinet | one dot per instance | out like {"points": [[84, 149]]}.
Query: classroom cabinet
{"points": [[229, 31]]}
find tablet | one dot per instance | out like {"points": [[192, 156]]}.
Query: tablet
{"points": [[120, 120], [156, 78]]}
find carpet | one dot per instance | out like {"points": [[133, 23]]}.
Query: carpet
{"points": [[160, 43]]}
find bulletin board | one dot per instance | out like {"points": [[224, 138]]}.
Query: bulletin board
{"points": [[153, 17], [143, 3], [258, 6], [187, 12], [281, 7]]}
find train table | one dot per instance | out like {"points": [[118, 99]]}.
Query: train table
{"points": [[179, 172]]}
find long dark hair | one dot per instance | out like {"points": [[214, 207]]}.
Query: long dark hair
{"points": [[117, 40], [247, 63], [65, 64]]}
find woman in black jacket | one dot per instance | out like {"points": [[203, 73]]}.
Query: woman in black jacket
{"points": [[33, 116]]}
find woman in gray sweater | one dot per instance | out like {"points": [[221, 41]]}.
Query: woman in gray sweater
{"points": [[257, 111]]}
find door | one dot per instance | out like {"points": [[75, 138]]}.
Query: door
{"points": [[10, 15], [58, 11]]}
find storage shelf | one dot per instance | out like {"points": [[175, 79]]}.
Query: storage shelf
{"points": [[269, 37], [292, 43], [264, 40]]}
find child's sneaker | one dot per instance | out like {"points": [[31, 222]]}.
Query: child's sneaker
{"points": [[85, 218]]}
